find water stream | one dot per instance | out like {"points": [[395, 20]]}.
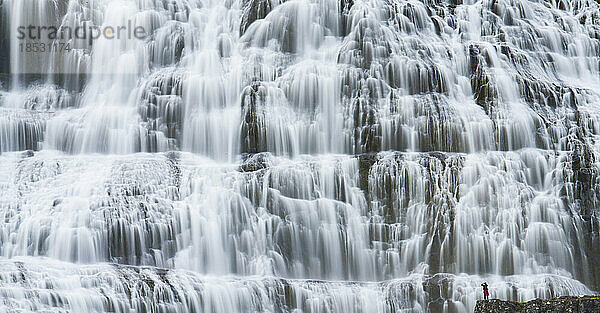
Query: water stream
{"points": [[316, 156]]}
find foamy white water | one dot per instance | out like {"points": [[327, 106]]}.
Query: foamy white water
{"points": [[299, 156]]}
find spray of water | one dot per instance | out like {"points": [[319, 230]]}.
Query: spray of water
{"points": [[299, 156]]}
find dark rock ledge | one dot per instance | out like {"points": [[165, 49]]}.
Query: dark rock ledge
{"points": [[584, 304]]}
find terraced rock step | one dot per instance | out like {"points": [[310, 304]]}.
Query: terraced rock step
{"points": [[585, 304], [40, 284]]}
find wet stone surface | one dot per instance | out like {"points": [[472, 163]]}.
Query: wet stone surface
{"points": [[587, 304]]}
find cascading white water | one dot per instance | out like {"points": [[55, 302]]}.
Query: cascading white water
{"points": [[299, 156]]}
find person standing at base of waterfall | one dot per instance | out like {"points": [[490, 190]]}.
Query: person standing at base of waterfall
{"points": [[486, 293]]}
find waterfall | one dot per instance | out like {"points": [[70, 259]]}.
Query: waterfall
{"points": [[339, 156]]}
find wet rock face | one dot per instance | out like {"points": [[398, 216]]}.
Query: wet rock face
{"points": [[586, 304], [4, 57], [161, 108], [254, 10]]}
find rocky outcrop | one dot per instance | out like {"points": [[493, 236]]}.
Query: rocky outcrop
{"points": [[254, 10], [585, 304]]}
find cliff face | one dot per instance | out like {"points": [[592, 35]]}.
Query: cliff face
{"points": [[587, 304]]}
